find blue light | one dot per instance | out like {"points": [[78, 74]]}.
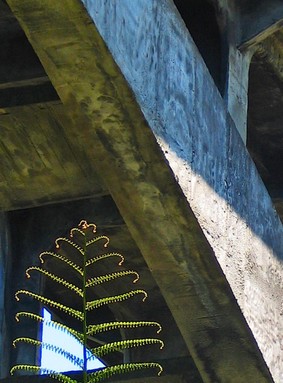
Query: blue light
{"points": [[56, 362]]}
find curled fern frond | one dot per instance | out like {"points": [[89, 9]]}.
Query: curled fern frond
{"points": [[85, 225], [76, 229], [98, 238], [68, 310], [108, 372], [32, 341], [116, 298], [27, 314], [55, 278], [103, 327], [63, 259], [124, 344], [104, 256], [36, 369], [109, 277], [58, 350], [25, 367], [71, 243], [49, 323]]}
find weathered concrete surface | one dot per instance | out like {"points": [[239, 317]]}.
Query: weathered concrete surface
{"points": [[41, 163], [207, 156], [238, 62], [133, 166], [258, 20]]}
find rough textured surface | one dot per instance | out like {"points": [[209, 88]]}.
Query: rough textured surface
{"points": [[258, 20], [207, 157], [41, 162], [134, 170]]}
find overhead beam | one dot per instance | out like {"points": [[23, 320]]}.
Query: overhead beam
{"points": [[260, 21], [40, 162], [271, 51], [133, 167], [26, 92]]}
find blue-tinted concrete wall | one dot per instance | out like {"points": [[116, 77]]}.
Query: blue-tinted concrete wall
{"points": [[184, 109]]}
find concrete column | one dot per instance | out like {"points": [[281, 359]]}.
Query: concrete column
{"points": [[237, 88]]}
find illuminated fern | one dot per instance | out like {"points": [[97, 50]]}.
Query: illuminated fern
{"points": [[78, 254]]}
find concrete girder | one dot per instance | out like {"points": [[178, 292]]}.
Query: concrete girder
{"points": [[133, 168], [259, 20], [39, 159], [271, 50]]}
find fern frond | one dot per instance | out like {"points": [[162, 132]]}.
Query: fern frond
{"points": [[109, 277], [103, 256], [108, 372], [25, 367], [36, 369], [49, 323], [32, 341], [55, 278], [82, 239], [63, 259], [71, 243], [84, 225], [123, 344], [58, 350], [27, 314], [62, 378], [64, 328], [103, 327], [116, 298], [68, 310], [95, 239], [77, 230]]}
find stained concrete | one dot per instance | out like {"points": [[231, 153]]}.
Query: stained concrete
{"points": [[199, 139], [133, 168], [206, 154], [258, 20]]}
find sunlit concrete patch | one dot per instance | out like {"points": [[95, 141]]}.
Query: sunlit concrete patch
{"points": [[253, 270]]}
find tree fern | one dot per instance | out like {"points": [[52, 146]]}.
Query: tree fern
{"points": [[79, 254]]}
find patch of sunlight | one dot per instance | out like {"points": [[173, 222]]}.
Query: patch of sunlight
{"points": [[63, 339]]}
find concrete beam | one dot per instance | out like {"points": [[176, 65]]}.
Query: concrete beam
{"points": [[26, 92], [144, 189], [40, 164], [271, 51], [259, 22]]}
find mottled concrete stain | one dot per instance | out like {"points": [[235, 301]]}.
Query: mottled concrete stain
{"points": [[209, 160]]}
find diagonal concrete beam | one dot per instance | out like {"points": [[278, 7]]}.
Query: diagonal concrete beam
{"points": [[132, 165], [259, 22]]}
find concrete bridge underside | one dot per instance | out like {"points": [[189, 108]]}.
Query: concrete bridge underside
{"points": [[86, 136]]}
